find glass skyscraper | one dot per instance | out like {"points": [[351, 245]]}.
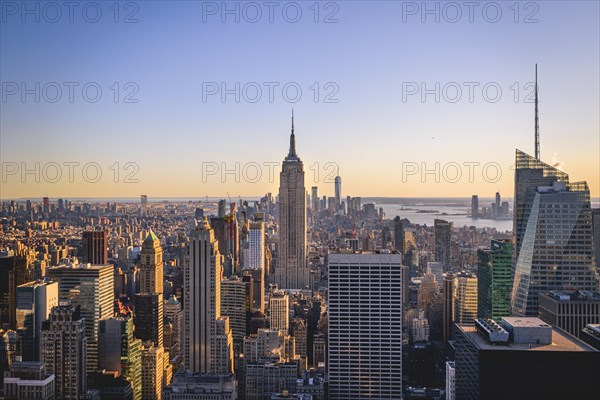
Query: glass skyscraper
{"points": [[553, 234], [493, 280]]}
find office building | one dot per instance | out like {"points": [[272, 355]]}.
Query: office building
{"points": [[465, 298], [204, 349], [13, 272], [398, 235], [591, 335], [174, 316], [64, 351], [442, 231], [148, 317], [450, 380], [120, 351], [523, 358], [235, 304], [553, 234], [264, 379], [474, 206], [279, 311], [151, 265], [494, 283], [188, 385], [91, 287], [143, 206], [94, 248], [28, 380], [34, 303], [292, 270], [338, 190], [570, 311], [315, 199], [596, 236], [358, 284], [436, 269], [152, 371]]}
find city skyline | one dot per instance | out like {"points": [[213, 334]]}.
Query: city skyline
{"points": [[370, 116]]}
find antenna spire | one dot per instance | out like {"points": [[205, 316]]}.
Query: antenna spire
{"points": [[292, 152], [537, 120]]}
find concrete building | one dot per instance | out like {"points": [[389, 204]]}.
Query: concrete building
{"points": [[64, 351], [360, 283], [570, 311], [292, 270], [92, 288], [34, 303], [523, 358], [450, 381], [235, 304], [465, 298], [28, 380], [187, 385], [279, 311], [208, 344]]}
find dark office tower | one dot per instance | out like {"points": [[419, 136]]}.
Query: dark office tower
{"points": [[523, 358], [46, 205], [119, 350], [442, 242], [570, 311], [64, 348], [448, 313], [596, 234], [314, 197], [474, 206], [34, 303], [398, 235], [148, 317], [292, 271], [222, 208], [338, 190], [13, 272], [95, 247], [151, 265], [257, 277], [494, 283], [553, 229], [358, 284]]}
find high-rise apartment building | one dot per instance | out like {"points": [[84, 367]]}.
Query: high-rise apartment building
{"points": [[292, 270], [95, 247], [553, 234], [64, 351], [91, 287], [365, 315], [442, 231], [34, 303], [494, 280], [202, 299]]}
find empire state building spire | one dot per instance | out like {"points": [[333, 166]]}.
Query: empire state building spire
{"points": [[292, 153]]}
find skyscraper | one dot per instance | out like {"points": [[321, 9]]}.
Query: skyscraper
{"points": [[143, 205], [292, 272], [314, 198], [151, 265], [398, 235], [494, 282], [91, 287], [279, 311], [149, 318], [465, 299], [474, 206], [95, 247], [235, 303], [365, 347], [13, 272], [34, 303], [202, 295], [64, 351], [596, 235], [553, 234], [338, 190], [119, 350], [442, 242], [152, 371]]}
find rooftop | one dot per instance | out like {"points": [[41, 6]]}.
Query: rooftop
{"points": [[560, 341]]}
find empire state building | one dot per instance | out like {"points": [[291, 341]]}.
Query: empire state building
{"points": [[291, 271]]}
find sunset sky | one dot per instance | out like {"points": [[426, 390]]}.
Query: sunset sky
{"points": [[364, 120]]}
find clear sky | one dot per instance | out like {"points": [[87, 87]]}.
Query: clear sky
{"points": [[369, 60]]}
